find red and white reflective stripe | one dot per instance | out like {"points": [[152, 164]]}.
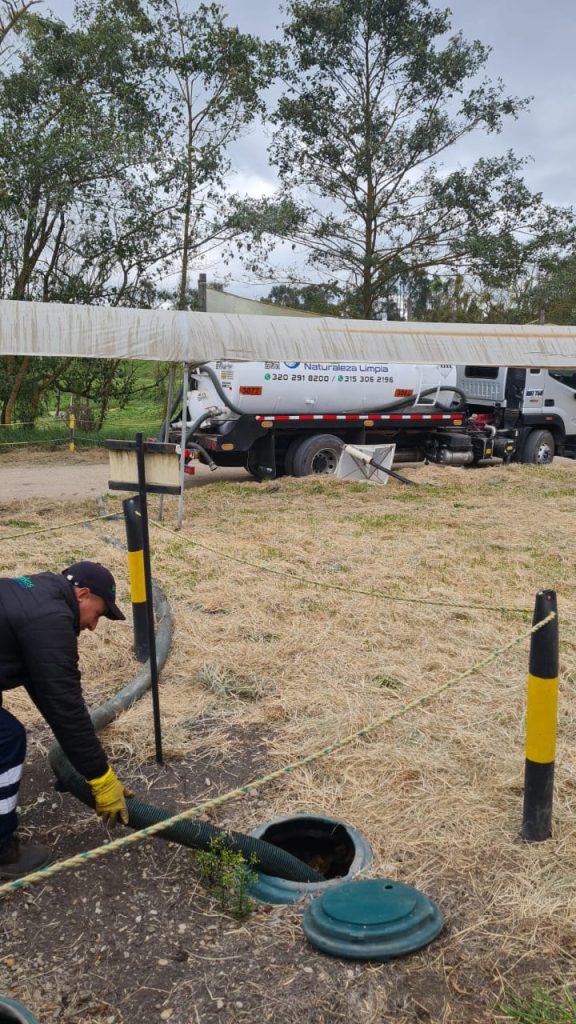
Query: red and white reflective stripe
{"points": [[366, 416]]}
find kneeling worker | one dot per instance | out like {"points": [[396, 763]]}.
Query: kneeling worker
{"points": [[40, 619]]}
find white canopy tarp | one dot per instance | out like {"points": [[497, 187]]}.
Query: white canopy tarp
{"points": [[51, 329]]}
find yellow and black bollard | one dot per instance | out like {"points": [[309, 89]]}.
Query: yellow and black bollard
{"points": [[134, 537], [541, 715], [71, 426]]}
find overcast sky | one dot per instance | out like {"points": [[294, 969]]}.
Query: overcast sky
{"points": [[533, 44]]}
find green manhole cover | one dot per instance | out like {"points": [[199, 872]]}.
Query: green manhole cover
{"points": [[371, 919]]}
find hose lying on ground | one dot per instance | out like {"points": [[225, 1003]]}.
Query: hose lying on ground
{"points": [[197, 834]]}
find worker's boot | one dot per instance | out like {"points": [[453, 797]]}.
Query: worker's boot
{"points": [[17, 859]]}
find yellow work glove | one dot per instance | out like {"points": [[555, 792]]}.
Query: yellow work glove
{"points": [[110, 796]]}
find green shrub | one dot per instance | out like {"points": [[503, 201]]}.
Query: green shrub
{"points": [[228, 876]]}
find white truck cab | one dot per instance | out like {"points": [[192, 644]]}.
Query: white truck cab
{"points": [[540, 404]]}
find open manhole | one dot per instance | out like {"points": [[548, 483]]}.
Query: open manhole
{"points": [[13, 1013], [334, 849]]}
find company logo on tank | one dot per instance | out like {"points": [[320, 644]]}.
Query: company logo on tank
{"points": [[344, 367]]}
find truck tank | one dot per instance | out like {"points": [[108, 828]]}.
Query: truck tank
{"points": [[276, 388]]}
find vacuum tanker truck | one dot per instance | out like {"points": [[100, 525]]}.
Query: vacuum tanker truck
{"points": [[279, 418]]}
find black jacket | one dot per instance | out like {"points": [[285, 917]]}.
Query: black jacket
{"points": [[39, 627]]}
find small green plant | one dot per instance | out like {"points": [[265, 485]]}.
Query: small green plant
{"points": [[271, 552], [541, 1008], [388, 682], [228, 876]]}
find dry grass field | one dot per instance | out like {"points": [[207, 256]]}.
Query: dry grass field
{"points": [[304, 610]]}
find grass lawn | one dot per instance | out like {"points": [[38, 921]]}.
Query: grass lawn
{"points": [[304, 610], [143, 412]]}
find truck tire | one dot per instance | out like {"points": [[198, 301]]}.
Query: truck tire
{"points": [[539, 448], [289, 457], [317, 454]]}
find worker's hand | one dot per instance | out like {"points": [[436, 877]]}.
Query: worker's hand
{"points": [[110, 796]]}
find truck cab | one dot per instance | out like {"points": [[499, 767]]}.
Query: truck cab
{"points": [[539, 404]]}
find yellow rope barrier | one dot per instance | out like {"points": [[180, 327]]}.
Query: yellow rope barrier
{"points": [[335, 586], [379, 594], [117, 844], [62, 526], [52, 440]]}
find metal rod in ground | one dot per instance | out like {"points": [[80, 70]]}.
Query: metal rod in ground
{"points": [[180, 518], [364, 457], [166, 426], [541, 717], [149, 602], [135, 541], [392, 472]]}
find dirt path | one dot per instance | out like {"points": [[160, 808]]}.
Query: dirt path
{"points": [[59, 480], [84, 474], [72, 479]]}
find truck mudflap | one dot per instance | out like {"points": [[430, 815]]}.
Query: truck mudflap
{"points": [[261, 458]]}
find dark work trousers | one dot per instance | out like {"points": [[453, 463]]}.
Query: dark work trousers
{"points": [[12, 754]]}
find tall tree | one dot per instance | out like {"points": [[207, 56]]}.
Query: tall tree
{"points": [[75, 131], [212, 79], [378, 92], [550, 296], [322, 298]]}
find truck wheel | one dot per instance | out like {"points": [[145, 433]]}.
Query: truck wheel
{"points": [[317, 454], [538, 448], [289, 457]]}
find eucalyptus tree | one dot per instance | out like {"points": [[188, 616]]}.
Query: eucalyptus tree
{"points": [[211, 78], [378, 94]]}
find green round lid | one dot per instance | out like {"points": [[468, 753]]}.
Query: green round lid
{"points": [[371, 919]]}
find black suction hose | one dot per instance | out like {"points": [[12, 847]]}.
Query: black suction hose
{"points": [[196, 834], [198, 447], [220, 390], [209, 462], [402, 402]]}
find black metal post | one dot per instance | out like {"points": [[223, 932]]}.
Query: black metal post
{"points": [[149, 601], [541, 716], [135, 541]]}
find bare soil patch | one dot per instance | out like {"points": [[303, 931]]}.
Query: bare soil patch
{"points": [[264, 669], [71, 476]]}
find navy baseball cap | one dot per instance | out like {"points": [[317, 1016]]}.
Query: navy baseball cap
{"points": [[99, 580]]}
